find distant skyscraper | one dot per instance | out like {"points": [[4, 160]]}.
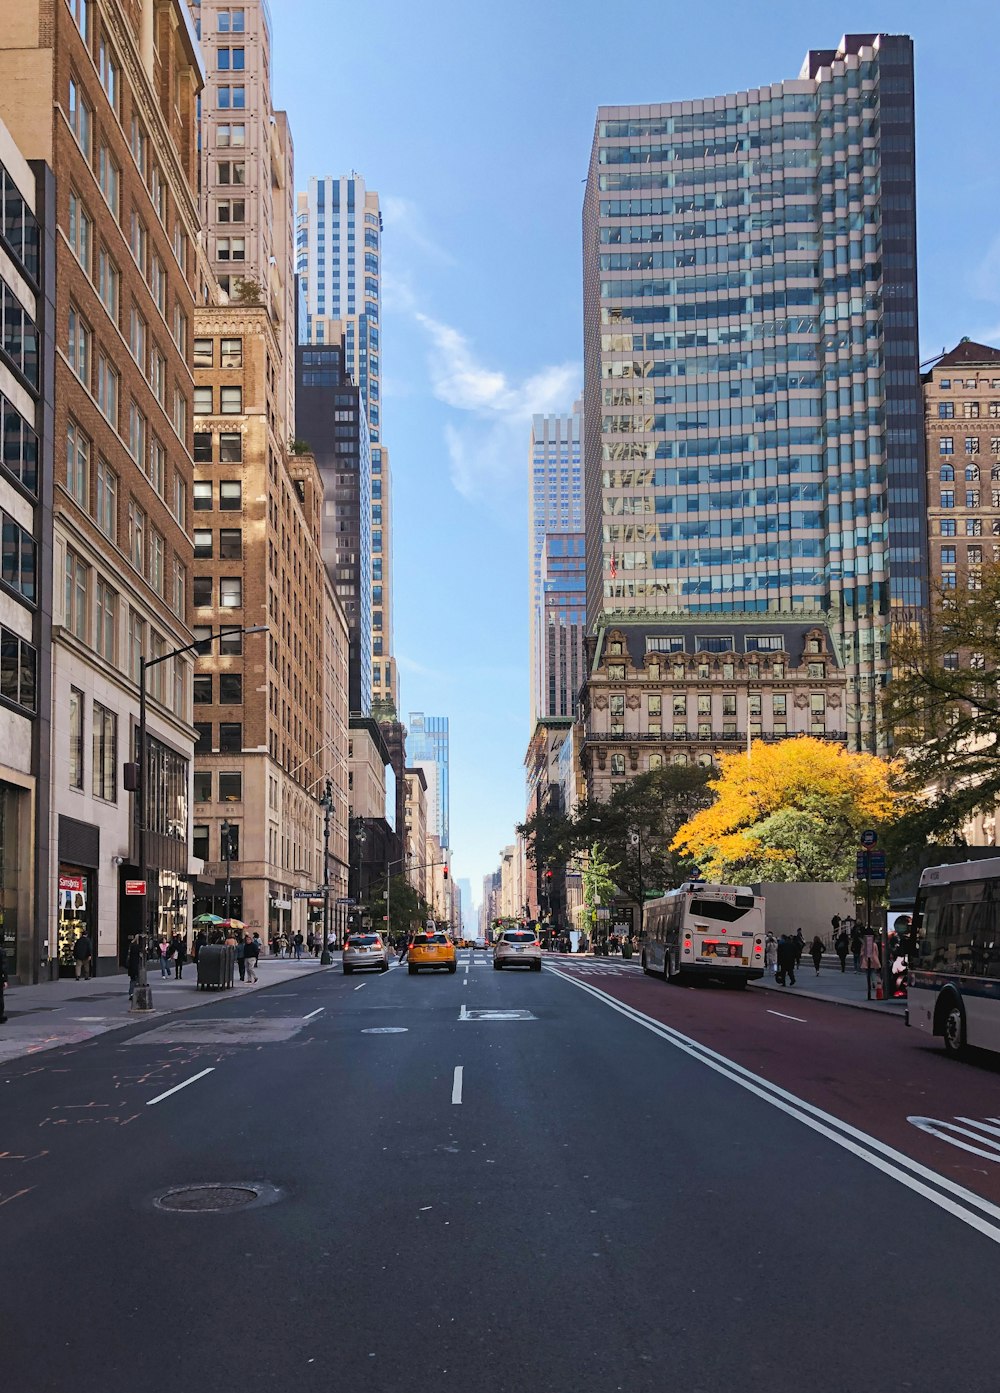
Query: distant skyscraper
{"points": [[338, 250], [427, 745], [752, 397], [555, 506]]}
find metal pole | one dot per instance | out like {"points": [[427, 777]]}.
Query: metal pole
{"points": [[229, 870], [143, 994], [388, 887], [869, 932], [325, 959], [641, 888]]}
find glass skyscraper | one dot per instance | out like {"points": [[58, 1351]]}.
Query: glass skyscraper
{"points": [[427, 742], [753, 427], [555, 507]]}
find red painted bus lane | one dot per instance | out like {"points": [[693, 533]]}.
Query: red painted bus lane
{"points": [[865, 1069]]}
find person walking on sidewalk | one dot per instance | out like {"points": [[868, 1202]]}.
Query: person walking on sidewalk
{"points": [[787, 959], [870, 959], [241, 957], [163, 951], [3, 981], [250, 958], [856, 945], [800, 945], [299, 945], [178, 948], [770, 952], [200, 939], [816, 952], [132, 960], [83, 951], [842, 944]]}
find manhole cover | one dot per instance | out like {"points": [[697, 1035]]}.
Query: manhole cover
{"points": [[215, 1199], [385, 1030]]}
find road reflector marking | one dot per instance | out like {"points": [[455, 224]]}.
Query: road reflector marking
{"points": [[456, 1088], [177, 1087]]}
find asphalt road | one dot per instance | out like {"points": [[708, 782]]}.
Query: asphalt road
{"points": [[613, 1204]]}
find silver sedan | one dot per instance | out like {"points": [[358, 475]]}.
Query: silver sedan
{"points": [[517, 946], [365, 951]]}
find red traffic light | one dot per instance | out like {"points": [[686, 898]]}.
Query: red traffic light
{"points": [[548, 875], [445, 873]]}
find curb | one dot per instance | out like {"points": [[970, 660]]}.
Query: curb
{"points": [[877, 1007]]}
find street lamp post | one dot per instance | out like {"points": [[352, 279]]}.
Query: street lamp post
{"points": [[326, 803], [143, 995], [360, 836]]}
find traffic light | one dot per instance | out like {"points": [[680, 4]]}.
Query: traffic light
{"points": [[445, 873], [548, 877]]}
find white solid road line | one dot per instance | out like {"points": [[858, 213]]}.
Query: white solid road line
{"points": [[885, 1158], [360, 985], [177, 1087], [314, 1013], [456, 1088], [801, 1019]]}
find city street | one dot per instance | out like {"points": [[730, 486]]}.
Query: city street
{"points": [[566, 1196]]}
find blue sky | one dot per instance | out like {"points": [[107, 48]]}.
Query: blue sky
{"points": [[474, 124]]}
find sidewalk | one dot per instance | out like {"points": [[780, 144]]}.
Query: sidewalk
{"points": [[848, 988], [68, 1012]]}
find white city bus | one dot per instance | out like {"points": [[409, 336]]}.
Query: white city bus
{"points": [[702, 930], [954, 977]]}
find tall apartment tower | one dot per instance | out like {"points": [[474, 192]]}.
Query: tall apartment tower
{"points": [[753, 414], [246, 176], [338, 248], [427, 747], [106, 97], [555, 507]]}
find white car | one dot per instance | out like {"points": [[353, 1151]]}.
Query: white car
{"points": [[517, 946]]}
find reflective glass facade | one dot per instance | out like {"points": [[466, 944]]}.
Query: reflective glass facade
{"points": [[752, 400]]}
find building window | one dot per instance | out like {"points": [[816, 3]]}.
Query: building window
{"points": [[230, 544], [107, 499], [201, 591], [230, 689], [231, 97], [231, 172], [203, 494], [230, 447], [75, 738], [105, 765], [230, 737], [79, 343], [946, 445], [203, 401], [80, 234], [107, 622], [107, 390], [972, 498], [110, 180], [204, 353], [231, 136], [230, 788], [78, 464], [136, 535], [156, 568], [231, 352], [199, 839], [18, 671], [947, 527], [76, 595], [202, 689], [947, 556], [202, 786], [947, 473], [947, 498], [136, 434], [230, 60], [946, 410], [231, 210], [109, 284], [180, 587], [111, 73], [973, 527], [81, 118], [230, 401], [203, 449], [230, 496], [231, 592], [617, 764]]}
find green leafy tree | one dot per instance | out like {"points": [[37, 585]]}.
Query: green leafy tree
{"points": [[634, 829], [943, 708], [407, 908]]}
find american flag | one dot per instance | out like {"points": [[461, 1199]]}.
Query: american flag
{"points": [[614, 564]]}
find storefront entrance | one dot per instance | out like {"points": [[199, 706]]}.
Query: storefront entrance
{"points": [[75, 916]]}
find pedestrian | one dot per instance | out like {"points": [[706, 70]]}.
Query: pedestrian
{"points": [[770, 952], [405, 949], [250, 954], [83, 951], [282, 946], [835, 923], [800, 945], [3, 981], [163, 951], [842, 944], [133, 959], [856, 943], [787, 961], [816, 952], [299, 945], [311, 941], [241, 957], [178, 947], [200, 939], [870, 959]]}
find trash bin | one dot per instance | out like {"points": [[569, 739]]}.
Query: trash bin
{"points": [[216, 963]]}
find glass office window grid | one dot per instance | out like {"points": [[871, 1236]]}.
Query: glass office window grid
{"points": [[752, 389]]}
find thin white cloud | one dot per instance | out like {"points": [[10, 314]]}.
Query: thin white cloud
{"points": [[403, 217]]}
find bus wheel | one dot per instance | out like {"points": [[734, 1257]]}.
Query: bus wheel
{"points": [[953, 1028]]}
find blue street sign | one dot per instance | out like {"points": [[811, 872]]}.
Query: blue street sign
{"points": [[869, 838]]}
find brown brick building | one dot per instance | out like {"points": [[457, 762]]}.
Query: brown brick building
{"points": [[270, 709], [962, 419], [106, 96]]}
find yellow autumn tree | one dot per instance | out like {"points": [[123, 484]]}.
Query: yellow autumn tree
{"points": [[791, 811]]}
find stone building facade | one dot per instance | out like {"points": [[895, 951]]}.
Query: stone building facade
{"points": [[684, 693], [106, 96]]}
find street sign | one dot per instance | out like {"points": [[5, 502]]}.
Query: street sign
{"points": [[306, 894], [71, 882], [135, 887], [869, 838], [633, 839], [871, 865], [345, 899]]}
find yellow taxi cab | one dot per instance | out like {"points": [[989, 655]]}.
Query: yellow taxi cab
{"points": [[430, 948]]}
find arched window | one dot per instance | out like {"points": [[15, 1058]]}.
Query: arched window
{"points": [[972, 471], [947, 473]]}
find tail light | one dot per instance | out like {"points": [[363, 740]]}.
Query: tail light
{"points": [[757, 947], [537, 943], [687, 943]]}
